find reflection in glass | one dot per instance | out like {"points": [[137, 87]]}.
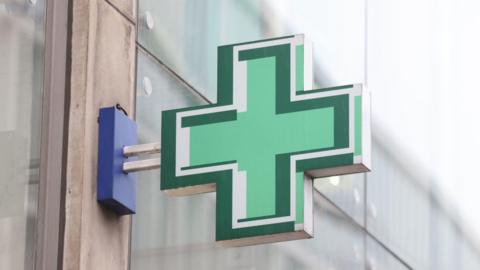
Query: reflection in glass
{"points": [[412, 220], [21, 89], [380, 258], [347, 192], [185, 34]]}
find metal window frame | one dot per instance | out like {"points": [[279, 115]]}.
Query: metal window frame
{"points": [[50, 218]]}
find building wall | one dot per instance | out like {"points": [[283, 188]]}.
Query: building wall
{"points": [[102, 75]]}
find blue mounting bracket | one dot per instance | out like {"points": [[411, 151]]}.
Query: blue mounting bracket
{"points": [[115, 188]]}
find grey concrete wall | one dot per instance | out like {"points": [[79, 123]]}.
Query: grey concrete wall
{"points": [[102, 74]]}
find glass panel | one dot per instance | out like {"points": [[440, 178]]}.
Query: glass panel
{"points": [[179, 232], [398, 209], [347, 192], [420, 150], [338, 242], [412, 220], [158, 90], [380, 258], [422, 72], [185, 34], [21, 90]]}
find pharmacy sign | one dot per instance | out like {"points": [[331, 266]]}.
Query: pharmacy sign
{"points": [[262, 142]]}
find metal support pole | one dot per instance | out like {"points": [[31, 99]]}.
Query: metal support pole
{"points": [[144, 164], [141, 165], [148, 148]]}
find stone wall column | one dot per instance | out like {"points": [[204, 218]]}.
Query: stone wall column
{"points": [[102, 42]]}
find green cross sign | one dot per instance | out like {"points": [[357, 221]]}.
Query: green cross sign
{"points": [[264, 140]]}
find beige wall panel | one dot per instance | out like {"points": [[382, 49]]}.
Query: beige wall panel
{"points": [[103, 74]]}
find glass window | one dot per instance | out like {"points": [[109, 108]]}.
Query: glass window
{"points": [[380, 258], [21, 88], [185, 35], [347, 192], [410, 211]]}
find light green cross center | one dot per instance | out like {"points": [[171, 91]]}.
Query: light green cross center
{"points": [[258, 135]]}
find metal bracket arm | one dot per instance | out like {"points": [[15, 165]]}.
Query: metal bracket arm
{"points": [[148, 148], [145, 164]]}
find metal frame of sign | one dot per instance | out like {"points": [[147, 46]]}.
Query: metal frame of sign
{"points": [[185, 171]]}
